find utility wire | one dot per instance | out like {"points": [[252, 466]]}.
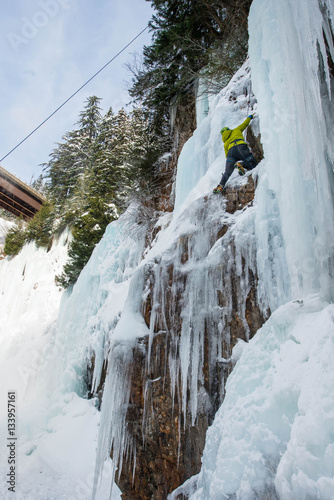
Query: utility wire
{"points": [[75, 93]]}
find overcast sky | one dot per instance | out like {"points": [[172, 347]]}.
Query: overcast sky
{"points": [[48, 49]]}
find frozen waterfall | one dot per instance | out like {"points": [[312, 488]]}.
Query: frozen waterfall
{"points": [[273, 435], [289, 53]]}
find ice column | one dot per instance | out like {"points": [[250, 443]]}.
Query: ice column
{"points": [[290, 49], [202, 100]]}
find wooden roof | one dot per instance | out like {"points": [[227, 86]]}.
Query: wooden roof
{"points": [[17, 197]]}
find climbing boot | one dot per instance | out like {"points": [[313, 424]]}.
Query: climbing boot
{"points": [[219, 189], [240, 167]]}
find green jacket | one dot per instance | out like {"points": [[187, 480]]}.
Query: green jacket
{"points": [[233, 137]]}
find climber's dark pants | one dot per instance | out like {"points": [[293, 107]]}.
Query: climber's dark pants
{"points": [[238, 152]]}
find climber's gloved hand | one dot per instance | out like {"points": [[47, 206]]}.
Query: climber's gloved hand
{"points": [[250, 116]]}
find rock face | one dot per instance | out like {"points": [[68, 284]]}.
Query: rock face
{"points": [[217, 306]]}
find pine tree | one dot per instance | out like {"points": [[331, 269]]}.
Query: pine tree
{"points": [[39, 184], [103, 185], [89, 122], [65, 172], [15, 239], [40, 227], [145, 149], [65, 168], [111, 171], [90, 119], [187, 38], [87, 232]]}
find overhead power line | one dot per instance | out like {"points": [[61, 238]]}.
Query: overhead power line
{"points": [[74, 93]]}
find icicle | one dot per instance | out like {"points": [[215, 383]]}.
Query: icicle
{"points": [[297, 136]]}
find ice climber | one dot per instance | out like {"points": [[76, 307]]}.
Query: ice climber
{"points": [[237, 152]]}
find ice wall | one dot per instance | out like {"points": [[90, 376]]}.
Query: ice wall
{"points": [[290, 43], [98, 322], [92, 309], [202, 159], [189, 274], [273, 435]]}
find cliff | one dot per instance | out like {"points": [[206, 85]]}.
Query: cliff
{"points": [[187, 291], [195, 291]]}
